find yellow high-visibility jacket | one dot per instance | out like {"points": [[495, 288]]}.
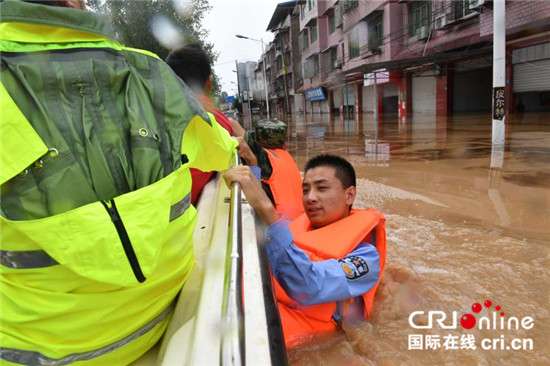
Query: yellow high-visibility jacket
{"points": [[96, 222]]}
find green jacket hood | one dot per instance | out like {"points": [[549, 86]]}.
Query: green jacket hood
{"points": [[20, 11]]}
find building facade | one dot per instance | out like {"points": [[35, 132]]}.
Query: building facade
{"points": [[399, 56]]}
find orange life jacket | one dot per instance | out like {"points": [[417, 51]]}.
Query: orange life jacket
{"points": [[285, 183], [334, 241]]}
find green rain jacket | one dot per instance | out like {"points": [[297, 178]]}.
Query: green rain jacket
{"points": [[96, 225]]}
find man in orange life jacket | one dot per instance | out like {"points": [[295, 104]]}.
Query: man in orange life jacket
{"points": [[192, 65], [281, 179], [328, 262]]}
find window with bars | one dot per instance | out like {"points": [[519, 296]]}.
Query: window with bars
{"points": [[353, 43], [420, 14], [311, 67], [331, 23], [313, 33], [376, 32], [302, 11], [461, 8], [338, 16], [303, 39], [333, 55], [329, 58]]}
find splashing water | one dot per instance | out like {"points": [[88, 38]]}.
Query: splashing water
{"points": [[166, 33]]}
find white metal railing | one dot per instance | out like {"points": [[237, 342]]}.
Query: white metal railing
{"points": [[232, 345]]}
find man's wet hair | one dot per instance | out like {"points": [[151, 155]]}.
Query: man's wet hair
{"points": [[344, 170], [192, 65]]}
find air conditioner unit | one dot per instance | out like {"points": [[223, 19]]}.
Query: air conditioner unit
{"points": [[441, 21], [375, 50], [422, 33], [347, 4], [374, 45], [337, 64], [474, 4]]}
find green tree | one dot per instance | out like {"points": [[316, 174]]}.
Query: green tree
{"points": [[134, 23]]}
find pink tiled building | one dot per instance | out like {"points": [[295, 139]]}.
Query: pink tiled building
{"points": [[421, 56]]}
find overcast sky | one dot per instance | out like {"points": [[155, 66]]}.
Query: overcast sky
{"points": [[229, 17]]}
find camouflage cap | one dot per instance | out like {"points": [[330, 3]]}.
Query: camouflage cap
{"points": [[271, 133]]}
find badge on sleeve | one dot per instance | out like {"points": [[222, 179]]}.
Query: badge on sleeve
{"points": [[354, 267]]}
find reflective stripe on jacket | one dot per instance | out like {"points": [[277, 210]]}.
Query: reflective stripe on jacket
{"points": [[96, 222], [285, 183], [320, 244]]}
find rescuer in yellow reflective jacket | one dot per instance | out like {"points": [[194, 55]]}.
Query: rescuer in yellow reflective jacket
{"points": [[96, 222]]}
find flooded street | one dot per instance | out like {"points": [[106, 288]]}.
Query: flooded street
{"points": [[458, 232]]}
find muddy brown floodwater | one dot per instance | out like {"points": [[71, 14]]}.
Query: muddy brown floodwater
{"points": [[459, 234]]}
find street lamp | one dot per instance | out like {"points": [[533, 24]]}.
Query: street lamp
{"points": [[263, 62]]}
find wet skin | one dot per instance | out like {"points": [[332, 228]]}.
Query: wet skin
{"points": [[324, 197]]}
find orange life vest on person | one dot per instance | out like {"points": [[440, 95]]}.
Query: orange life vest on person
{"points": [[333, 241], [285, 183]]}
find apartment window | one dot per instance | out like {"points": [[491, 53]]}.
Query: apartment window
{"points": [[333, 55], [338, 16], [311, 4], [308, 69], [420, 14], [316, 64], [353, 43], [376, 32], [348, 4], [312, 33], [311, 67], [303, 39], [329, 58], [331, 23], [279, 63], [461, 8], [302, 11]]}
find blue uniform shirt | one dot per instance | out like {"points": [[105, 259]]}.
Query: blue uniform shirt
{"points": [[257, 171], [311, 283]]}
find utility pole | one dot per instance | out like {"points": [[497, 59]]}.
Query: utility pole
{"points": [[287, 106], [499, 110], [248, 99], [499, 75], [264, 60], [375, 103]]}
